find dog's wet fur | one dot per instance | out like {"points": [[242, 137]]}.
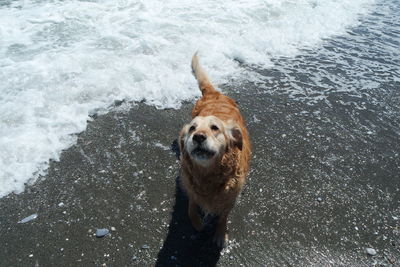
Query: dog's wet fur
{"points": [[215, 153]]}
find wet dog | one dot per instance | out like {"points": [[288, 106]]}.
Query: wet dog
{"points": [[215, 154]]}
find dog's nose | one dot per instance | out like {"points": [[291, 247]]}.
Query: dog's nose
{"points": [[199, 138]]}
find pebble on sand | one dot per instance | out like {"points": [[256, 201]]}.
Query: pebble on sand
{"points": [[370, 251], [102, 232], [29, 218]]}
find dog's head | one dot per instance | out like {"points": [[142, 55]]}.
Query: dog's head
{"points": [[206, 139]]}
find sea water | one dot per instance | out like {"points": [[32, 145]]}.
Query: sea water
{"points": [[62, 60]]}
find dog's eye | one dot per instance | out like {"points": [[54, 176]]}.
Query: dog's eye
{"points": [[192, 128], [214, 127]]}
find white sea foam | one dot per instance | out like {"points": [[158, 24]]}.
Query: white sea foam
{"points": [[60, 60]]}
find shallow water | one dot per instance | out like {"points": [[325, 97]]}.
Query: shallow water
{"points": [[61, 61]]}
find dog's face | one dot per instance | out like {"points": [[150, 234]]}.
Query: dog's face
{"points": [[205, 139]]}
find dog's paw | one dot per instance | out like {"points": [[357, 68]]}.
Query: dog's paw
{"points": [[220, 240]]}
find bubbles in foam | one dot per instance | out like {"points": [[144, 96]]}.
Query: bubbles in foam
{"points": [[60, 60]]}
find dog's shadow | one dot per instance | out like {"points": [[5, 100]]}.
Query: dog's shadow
{"points": [[184, 246]]}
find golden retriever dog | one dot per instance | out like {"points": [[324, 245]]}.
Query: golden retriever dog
{"points": [[215, 154]]}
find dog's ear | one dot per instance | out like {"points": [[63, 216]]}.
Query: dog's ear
{"points": [[182, 136], [235, 135]]}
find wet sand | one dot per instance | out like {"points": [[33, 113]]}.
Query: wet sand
{"points": [[321, 191]]}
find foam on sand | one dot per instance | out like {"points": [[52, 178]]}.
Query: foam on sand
{"points": [[60, 60]]}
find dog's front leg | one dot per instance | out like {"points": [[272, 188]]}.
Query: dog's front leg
{"points": [[220, 236], [194, 216]]}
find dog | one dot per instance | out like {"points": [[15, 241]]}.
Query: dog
{"points": [[215, 154]]}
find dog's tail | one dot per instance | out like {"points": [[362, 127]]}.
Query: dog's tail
{"points": [[204, 82]]}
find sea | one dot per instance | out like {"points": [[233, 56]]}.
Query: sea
{"points": [[63, 61]]}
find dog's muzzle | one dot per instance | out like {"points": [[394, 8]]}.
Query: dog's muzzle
{"points": [[201, 151], [199, 138]]}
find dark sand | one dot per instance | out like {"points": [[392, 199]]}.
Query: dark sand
{"points": [[321, 190]]}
